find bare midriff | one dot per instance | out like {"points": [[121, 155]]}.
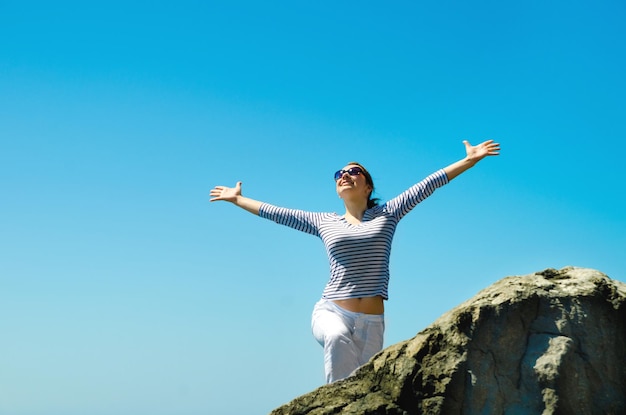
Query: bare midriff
{"points": [[365, 305]]}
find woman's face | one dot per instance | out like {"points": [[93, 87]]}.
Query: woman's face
{"points": [[351, 182]]}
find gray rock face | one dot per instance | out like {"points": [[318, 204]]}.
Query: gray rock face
{"points": [[553, 342]]}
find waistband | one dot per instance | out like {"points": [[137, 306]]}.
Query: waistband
{"points": [[332, 306]]}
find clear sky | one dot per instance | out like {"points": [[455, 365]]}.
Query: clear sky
{"points": [[124, 291]]}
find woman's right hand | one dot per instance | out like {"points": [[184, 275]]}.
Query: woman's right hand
{"points": [[233, 195], [228, 194]]}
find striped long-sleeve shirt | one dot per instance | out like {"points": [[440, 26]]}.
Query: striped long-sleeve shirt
{"points": [[358, 254]]}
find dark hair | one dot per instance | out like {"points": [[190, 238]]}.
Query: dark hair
{"points": [[368, 179]]}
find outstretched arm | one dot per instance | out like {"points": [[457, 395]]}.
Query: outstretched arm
{"points": [[474, 155], [234, 196]]}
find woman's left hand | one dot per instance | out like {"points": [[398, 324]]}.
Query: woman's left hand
{"points": [[482, 150]]}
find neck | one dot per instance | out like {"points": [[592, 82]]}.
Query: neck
{"points": [[355, 209]]}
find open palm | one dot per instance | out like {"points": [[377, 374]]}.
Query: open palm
{"points": [[228, 194], [482, 150]]}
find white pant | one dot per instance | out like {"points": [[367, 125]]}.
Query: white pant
{"points": [[349, 339]]}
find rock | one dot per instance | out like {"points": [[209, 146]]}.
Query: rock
{"points": [[553, 342]]}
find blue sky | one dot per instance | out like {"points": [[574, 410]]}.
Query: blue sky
{"points": [[124, 291]]}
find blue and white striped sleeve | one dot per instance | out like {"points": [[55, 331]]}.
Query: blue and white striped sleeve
{"points": [[300, 220], [407, 200]]}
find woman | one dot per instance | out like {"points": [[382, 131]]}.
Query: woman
{"points": [[348, 321]]}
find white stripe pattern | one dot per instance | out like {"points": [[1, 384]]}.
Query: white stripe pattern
{"points": [[358, 255]]}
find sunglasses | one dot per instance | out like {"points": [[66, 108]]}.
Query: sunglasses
{"points": [[352, 171]]}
